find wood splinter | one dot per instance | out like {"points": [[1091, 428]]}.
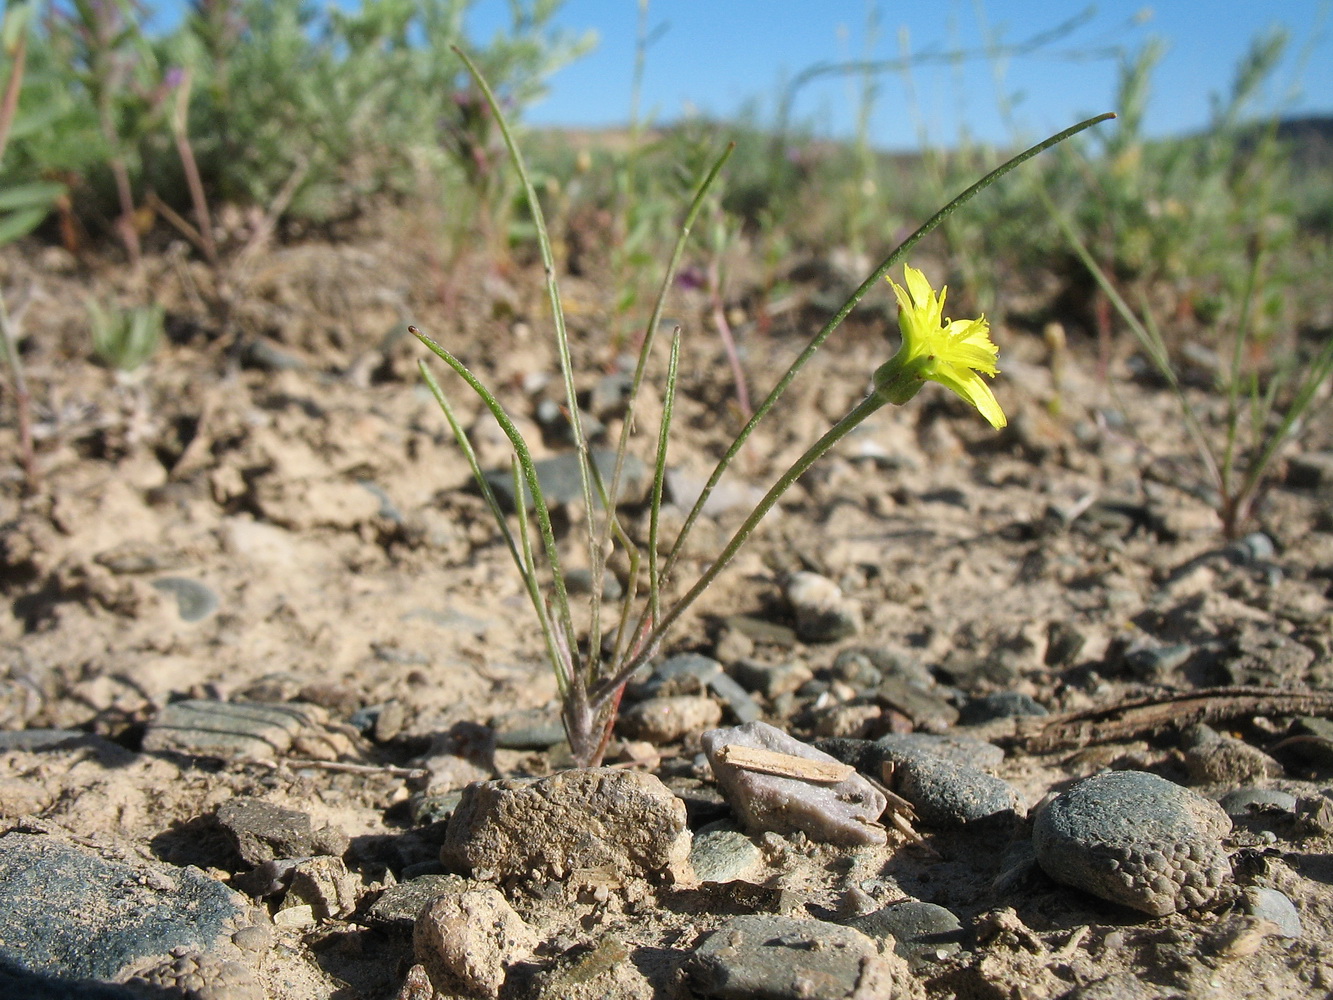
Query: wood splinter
{"points": [[784, 765]]}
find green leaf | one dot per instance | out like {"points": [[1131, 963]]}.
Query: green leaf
{"points": [[38, 194], [18, 224]]}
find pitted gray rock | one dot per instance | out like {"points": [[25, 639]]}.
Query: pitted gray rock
{"points": [[1135, 839]]}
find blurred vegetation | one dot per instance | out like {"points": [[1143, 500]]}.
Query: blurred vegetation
{"points": [[313, 115]]}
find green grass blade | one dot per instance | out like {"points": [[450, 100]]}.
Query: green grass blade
{"points": [[529, 474]]}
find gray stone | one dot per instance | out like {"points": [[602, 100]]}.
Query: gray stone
{"points": [[598, 817], [761, 630], [399, 905], [227, 729], [947, 794], [723, 853], [1135, 839], [965, 750], [194, 600], [846, 812], [72, 912], [528, 729], [692, 673], [559, 479], [1269, 904], [771, 679], [1247, 802], [759, 957], [921, 932], [1156, 664], [1000, 705], [823, 613], [262, 831], [579, 581], [927, 707]]}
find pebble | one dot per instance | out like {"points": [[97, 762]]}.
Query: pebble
{"points": [[723, 853], [194, 600], [528, 729], [228, 729], [771, 679], [1136, 839], [780, 958], [1000, 705], [843, 813], [1270, 904], [1217, 758], [398, 905], [921, 932], [1244, 803], [72, 912], [868, 756], [691, 673], [823, 612], [947, 794], [324, 884], [1156, 664], [560, 483], [601, 817], [927, 707], [261, 831], [1311, 470], [665, 720], [467, 940], [579, 581]]}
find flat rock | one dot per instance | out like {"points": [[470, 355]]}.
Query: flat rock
{"points": [[761, 957], [560, 482], [262, 831], [722, 853], [920, 931], [228, 729], [845, 812], [72, 912], [596, 817], [1135, 839]]}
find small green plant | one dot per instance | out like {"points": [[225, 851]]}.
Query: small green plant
{"points": [[590, 685], [1208, 220], [125, 338]]}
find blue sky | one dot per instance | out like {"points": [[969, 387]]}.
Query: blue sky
{"points": [[721, 56], [715, 56]]}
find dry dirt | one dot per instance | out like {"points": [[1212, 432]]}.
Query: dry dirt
{"points": [[316, 491]]}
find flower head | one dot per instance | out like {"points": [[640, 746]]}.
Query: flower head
{"points": [[953, 352]]}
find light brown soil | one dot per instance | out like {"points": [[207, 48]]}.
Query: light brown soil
{"points": [[329, 510]]}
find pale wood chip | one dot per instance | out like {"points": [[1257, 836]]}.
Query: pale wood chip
{"points": [[784, 765]]}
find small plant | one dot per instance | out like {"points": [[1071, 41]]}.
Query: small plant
{"points": [[954, 353], [1210, 219], [125, 338]]}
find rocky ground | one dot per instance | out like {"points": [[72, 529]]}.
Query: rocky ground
{"points": [[263, 638]]}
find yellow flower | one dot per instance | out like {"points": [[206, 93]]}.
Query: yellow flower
{"points": [[953, 352]]}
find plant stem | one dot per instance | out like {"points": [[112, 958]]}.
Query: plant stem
{"points": [[898, 254], [831, 437]]}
